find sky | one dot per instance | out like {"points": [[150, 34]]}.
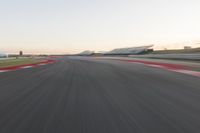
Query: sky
{"points": [[71, 26]]}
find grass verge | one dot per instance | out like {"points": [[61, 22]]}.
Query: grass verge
{"points": [[19, 61]]}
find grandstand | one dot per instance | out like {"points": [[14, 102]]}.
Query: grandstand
{"points": [[86, 53], [129, 51]]}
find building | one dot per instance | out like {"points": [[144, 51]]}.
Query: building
{"points": [[129, 51], [20, 53]]}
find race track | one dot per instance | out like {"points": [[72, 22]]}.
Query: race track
{"points": [[90, 95]]}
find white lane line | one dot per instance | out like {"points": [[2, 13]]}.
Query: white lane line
{"points": [[2, 71], [42, 64], [188, 72], [158, 66], [194, 73], [26, 67]]}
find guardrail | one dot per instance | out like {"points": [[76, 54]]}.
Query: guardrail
{"points": [[169, 56]]}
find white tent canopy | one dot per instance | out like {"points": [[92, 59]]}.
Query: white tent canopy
{"points": [[3, 55]]}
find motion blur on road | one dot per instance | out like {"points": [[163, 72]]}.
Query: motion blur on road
{"points": [[98, 95], [100, 66]]}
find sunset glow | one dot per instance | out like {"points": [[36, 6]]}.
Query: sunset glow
{"points": [[60, 27]]}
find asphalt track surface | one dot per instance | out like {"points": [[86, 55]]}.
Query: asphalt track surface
{"points": [[87, 95]]}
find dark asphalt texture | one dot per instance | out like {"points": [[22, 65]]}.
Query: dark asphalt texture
{"points": [[88, 95]]}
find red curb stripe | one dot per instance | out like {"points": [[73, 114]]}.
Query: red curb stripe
{"points": [[12, 68], [194, 73], [171, 67], [167, 65]]}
